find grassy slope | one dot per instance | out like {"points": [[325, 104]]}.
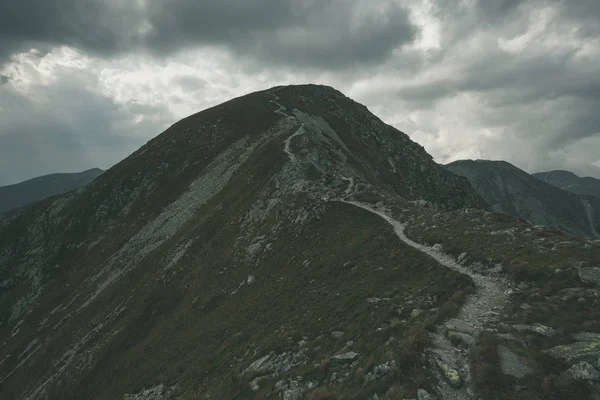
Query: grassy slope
{"points": [[194, 342], [182, 326]]}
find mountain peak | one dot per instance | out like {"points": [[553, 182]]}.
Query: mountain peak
{"points": [[206, 241]]}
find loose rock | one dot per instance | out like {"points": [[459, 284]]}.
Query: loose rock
{"points": [[345, 358], [582, 371], [511, 364], [590, 275]]}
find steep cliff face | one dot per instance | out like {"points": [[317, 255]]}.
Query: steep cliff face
{"points": [[509, 189], [570, 182], [36, 189]]}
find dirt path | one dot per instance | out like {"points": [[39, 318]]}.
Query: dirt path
{"points": [[450, 363]]}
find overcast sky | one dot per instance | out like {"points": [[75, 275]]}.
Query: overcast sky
{"points": [[85, 83]]}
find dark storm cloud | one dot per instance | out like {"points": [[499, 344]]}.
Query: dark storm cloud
{"points": [[329, 33], [97, 26], [523, 73], [4, 79]]}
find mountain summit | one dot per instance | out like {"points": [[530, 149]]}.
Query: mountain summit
{"points": [[286, 244], [172, 230]]}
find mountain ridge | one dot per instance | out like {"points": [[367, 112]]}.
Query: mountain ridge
{"points": [[32, 190], [247, 171], [509, 189], [285, 244], [571, 182]]}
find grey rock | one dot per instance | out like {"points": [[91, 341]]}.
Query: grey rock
{"points": [[464, 338], [512, 364], [344, 358], [251, 279], [423, 394], [445, 365], [590, 275], [587, 348], [583, 371], [277, 364], [159, 392], [524, 306], [379, 371], [416, 312], [293, 389], [461, 326], [337, 334], [537, 328]]}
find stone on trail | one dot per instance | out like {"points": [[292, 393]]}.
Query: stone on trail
{"points": [[512, 364]]}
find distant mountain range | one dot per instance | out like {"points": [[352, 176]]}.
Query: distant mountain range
{"points": [[36, 189], [569, 181], [508, 189]]}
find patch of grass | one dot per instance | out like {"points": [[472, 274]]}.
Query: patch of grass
{"points": [[321, 393], [485, 367]]}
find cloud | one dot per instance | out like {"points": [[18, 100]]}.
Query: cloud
{"points": [[306, 33], [97, 26], [330, 34], [510, 79], [53, 118]]}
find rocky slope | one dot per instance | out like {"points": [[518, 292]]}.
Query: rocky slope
{"points": [[287, 245], [509, 189], [36, 189], [569, 181], [198, 250]]}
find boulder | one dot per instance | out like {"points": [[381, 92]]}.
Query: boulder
{"points": [[582, 371], [463, 338], [461, 326], [449, 373], [512, 364], [590, 275], [337, 334], [537, 328], [344, 358], [378, 371], [423, 394], [587, 348]]}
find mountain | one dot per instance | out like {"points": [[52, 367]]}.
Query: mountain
{"points": [[508, 189], [36, 189], [569, 181], [289, 244]]}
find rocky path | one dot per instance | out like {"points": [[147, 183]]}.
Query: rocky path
{"points": [[449, 363]]}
